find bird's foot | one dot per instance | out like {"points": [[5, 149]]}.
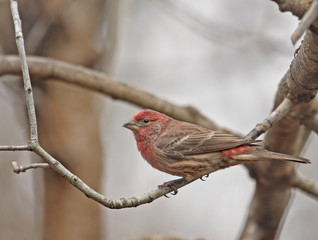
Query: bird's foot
{"points": [[205, 176], [171, 184]]}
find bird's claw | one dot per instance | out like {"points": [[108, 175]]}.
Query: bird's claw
{"points": [[206, 176], [171, 185], [173, 188]]}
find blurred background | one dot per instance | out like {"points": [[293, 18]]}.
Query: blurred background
{"points": [[225, 58]]}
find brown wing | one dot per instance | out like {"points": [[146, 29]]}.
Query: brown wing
{"points": [[192, 139]]}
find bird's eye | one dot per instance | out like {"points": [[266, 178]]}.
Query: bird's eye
{"points": [[146, 120]]}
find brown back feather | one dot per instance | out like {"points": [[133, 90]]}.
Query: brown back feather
{"points": [[187, 139]]}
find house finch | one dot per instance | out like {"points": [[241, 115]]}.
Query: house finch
{"points": [[190, 151]]}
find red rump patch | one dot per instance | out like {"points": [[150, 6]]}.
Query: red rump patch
{"points": [[236, 151]]}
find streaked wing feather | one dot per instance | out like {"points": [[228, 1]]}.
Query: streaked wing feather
{"points": [[197, 140]]}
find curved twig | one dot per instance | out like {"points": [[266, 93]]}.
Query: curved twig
{"points": [[90, 193], [46, 68], [284, 107]]}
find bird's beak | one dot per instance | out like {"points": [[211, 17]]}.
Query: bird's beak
{"points": [[132, 125]]}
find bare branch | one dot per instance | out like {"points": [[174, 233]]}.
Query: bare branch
{"points": [[90, 193], [46, 68], [18, 169], [306, 21], [307, 185], [283, 108], [15, 148], [25, 70], [49, 68]]}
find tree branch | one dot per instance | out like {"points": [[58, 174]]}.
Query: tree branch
{"points": [[283, 108], [16, 148], [46, 68], [90, 193], [273, 186], [18, 169], [25, 71], [304, 184], [306, 21]]}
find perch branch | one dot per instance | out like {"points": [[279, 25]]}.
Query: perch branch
{"points": [[284, 107], [90, 193]]}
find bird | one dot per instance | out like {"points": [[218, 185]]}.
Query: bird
{"points": [[190, 151]]}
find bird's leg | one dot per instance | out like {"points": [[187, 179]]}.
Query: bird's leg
{"points": [[206, 176], [171, 184]]}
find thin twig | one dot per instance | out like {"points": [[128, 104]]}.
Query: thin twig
{"points": [[25, 71], [306, 21], [16, 148], [18, 169], [285, 106], [307, 185]]}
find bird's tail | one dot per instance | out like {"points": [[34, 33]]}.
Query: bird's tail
{"points": [[258, 154]]}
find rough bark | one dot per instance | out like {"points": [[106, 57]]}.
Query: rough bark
{"points": [[273, 180]]}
